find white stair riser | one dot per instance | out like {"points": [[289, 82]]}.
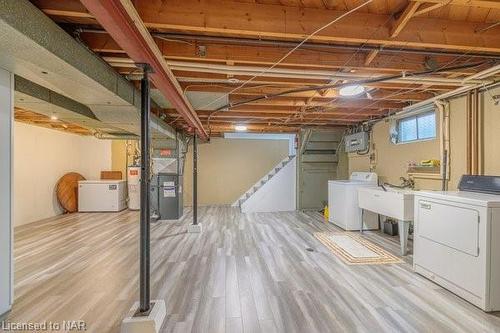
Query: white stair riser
{"points": [[263, 181]]}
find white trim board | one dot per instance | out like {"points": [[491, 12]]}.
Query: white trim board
{"points": [[6, 238]]}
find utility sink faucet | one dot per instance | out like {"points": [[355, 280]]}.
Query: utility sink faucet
{"points": [[405, 183]]}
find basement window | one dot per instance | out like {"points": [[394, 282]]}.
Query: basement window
{"points": [[417, 128]]}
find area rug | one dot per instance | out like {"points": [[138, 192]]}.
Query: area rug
{"points": [[355, 250]]}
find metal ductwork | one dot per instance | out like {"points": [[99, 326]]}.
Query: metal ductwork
{"points": [[88, 88], [120, 19]]}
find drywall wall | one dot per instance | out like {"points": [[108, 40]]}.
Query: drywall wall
{"points": [[228, 167], [391, 160], [41, 157], [6, 263], [491, 135], [119, 156], [276, 195]]}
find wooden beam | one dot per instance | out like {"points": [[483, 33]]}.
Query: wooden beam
{"points": [[346, 103], [240, 54], [259, 109], [122, 21], [253, 114], [294, 23], [425, 8], [374, 95], [404, 18], [370, 56], [227, 116], [279, 122], [491, 4], [330, 4]]}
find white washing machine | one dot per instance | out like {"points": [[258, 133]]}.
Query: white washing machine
{"points": [[457, 240], [343, 202]]}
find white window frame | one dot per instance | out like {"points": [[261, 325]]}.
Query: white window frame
{"points": [[416, 116]]}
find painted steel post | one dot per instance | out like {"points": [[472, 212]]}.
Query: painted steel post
{"points": [[144, 278], [195, 180]]}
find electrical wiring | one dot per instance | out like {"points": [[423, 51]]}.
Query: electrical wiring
{"points": [[367, 81], [290, 51], [403, 90], [353, 55], [335, 85], [387, 61], [340, 85]]}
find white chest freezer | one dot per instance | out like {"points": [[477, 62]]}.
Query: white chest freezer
{"points": [[102, 195]]}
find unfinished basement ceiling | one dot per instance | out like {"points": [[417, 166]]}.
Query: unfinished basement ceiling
{"points": [[55, 74], [222, 60]]}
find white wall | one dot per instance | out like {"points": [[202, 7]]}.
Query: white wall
{"points": [[6, 112], [41, 157], [277, 195], [228, 167]]}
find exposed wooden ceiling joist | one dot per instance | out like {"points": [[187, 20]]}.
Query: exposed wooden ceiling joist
{"points": [[270, 21], [37, 119], [404, 18], [469, 3], [239, 54], [216, 45]]}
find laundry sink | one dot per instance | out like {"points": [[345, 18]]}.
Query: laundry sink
{"points": [[391, 202], [395, 203]]}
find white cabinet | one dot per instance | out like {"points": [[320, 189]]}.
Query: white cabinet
{"points": [[457, 244]]}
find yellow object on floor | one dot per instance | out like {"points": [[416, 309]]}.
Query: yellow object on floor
{"points": [[433, 163], [326, 213]]}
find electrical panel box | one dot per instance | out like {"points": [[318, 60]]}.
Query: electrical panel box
{"points": [[356, 142]]}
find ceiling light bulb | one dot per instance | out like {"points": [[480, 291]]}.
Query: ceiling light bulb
{"points": [[353, 90], [240, 128]]}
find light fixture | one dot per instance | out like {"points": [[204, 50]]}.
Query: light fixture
{"points": [[240, 128], [53, 117], [353, 90]]}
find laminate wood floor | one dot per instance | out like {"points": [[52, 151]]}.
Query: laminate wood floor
{"points": [[245, 273]]}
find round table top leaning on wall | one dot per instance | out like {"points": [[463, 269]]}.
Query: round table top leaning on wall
{"points": [[67, 191]]}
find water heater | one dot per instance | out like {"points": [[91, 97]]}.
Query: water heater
{"points": [[134, 187]]}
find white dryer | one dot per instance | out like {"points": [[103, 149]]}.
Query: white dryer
{"points": [[343, 202], [457, 240]]}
